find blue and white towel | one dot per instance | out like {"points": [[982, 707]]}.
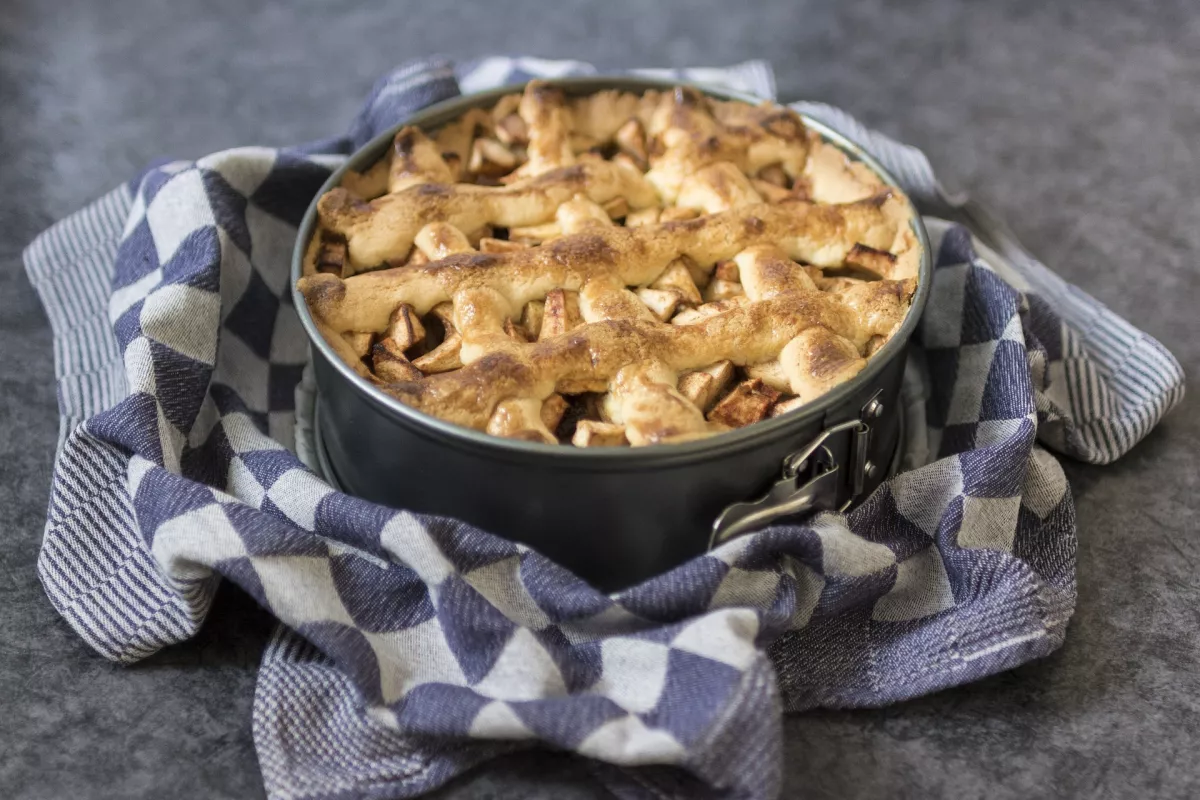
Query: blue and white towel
{"points": [[411, 648]]}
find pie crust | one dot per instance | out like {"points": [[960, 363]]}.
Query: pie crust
{"points": [[612, 269]]}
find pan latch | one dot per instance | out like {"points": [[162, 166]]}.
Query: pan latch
{"points": [[812, 477]]}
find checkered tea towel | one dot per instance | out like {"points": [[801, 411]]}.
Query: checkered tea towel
{"points": [[411, 648]]}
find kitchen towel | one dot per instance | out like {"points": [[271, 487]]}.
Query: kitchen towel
{"points": [[411, 648]]}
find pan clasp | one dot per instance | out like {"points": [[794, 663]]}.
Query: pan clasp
{"points": [[810, 481]]}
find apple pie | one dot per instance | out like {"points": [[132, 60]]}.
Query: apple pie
{"points": [[612, 269]]}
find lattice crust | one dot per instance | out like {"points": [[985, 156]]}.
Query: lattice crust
{"points": [[611, 269]]}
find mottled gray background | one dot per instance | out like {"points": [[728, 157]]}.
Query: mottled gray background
{"points": [[1079, 122]]}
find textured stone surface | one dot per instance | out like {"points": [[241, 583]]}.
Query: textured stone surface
{"points": [[1078, 122]]}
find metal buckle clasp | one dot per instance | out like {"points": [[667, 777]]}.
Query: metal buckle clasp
{"points": [[809, 481]]}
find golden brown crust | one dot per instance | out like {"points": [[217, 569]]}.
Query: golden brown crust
{"points": [[647, 248]]}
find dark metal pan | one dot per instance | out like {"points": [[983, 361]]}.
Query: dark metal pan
{"points": [[614, 516]]}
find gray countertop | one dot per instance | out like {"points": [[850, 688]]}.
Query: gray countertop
{"points": [[1079, 122]]}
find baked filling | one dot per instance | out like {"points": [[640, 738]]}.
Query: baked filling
{"points": [[613, 269]]}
